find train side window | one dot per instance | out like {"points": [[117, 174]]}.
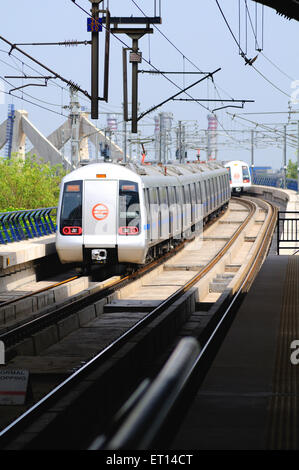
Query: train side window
{"points": [[214, 191], [163, 195], [217, 188], [193, 194], [171, 195], [206, 195], [221, 187], [210, 194], [199, 195], [153, 196], [187, 193]]}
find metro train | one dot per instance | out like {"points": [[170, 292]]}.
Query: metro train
{"points": [[239, 175], [131, 213]]}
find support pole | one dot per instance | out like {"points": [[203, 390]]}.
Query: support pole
{"points": [[180, 141], [124, 141], [134, 87], [298, 159], [284, 156], [95, 62], [252, 152]]}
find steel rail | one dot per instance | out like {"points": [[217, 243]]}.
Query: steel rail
{"points": [[139, 432], [43, 320], [98, 359], [39, 291]]}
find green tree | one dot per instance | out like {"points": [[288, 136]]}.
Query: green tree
{"points": [[30, 184], [292, 170]]}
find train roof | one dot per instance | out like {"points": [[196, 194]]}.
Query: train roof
{"points": [[147, 172], [173, 169], [235, 162]]}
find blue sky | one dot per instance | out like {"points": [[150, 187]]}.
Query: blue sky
{"points": [[198, 30]]}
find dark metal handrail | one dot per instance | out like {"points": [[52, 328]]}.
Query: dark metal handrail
{"points": [[287, 230], [22, 225]]}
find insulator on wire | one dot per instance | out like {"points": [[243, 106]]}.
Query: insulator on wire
{"points": [[71, 42], [73, 85]]}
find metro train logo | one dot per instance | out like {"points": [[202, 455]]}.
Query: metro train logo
{"points": [[100, 212]]}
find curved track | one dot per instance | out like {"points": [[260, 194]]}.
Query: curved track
{"points": [[158, 314]]}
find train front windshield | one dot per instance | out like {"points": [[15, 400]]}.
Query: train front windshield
{"points": [[71, 209], [246, 176], [129, 208]]}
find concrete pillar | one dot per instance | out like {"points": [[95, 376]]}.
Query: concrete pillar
{"points": [[19, 136]]}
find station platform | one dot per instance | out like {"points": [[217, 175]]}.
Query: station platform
{"points": [[14, 254], [249, 398]]}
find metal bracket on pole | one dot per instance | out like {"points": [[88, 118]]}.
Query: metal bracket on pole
{"points": [[135, 33]]}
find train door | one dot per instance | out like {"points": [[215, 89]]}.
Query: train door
{"points": [[100, 213]]}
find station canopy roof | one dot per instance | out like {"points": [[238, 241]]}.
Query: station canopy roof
{"points": [[287, 8]]}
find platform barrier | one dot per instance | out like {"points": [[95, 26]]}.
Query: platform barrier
{"points": [[26, 224]]}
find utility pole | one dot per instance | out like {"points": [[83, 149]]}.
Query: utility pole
{"points": [[180, 141], [285, 156], [252, 152], [135, 33], [160, 138], [75, 124], [95, 59], [298, 158], [124, 141]]}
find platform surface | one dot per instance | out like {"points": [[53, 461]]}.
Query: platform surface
{"points": [[249, 398], [12, 254]]}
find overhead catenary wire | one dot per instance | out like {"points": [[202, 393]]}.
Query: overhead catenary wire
{"points": [[151, 65], [193, 64], [292, 140], [179, 51], [28, 101], [243, 54]]}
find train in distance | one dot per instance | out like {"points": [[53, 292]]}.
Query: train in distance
{"points": [[239, 175], [133, 213]]}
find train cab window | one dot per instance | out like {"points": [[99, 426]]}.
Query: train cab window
{"points": [[71, 209], [246, 176], [129, 208]]}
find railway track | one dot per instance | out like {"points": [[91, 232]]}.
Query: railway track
{"points": [[161, 310]]}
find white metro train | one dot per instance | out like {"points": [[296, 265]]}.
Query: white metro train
{"points": [[239, 175], [118, 213]]}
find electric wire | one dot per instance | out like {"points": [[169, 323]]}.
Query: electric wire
{"points": [[193, 64], [247, 61], [28, 101]]}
